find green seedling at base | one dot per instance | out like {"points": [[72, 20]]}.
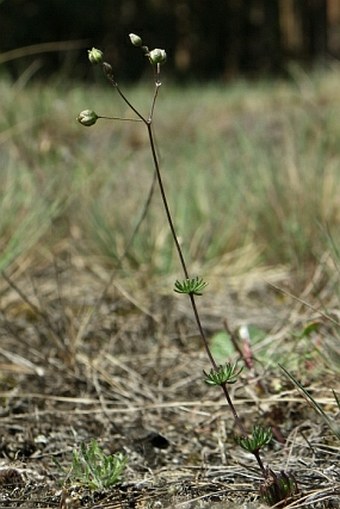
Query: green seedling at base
{"points": [[94, 469]]}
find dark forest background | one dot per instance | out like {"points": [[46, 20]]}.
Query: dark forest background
{"points": [[204, 39]]}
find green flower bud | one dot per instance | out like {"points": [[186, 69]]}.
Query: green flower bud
{"points": [[107, 68], [157, 56], [95, 56], [135, 40], [87, 118]]}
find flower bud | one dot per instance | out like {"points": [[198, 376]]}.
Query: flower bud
{"points": [[87, 118], [157, 56], [135, 40], [107, 68], [95, 56]]}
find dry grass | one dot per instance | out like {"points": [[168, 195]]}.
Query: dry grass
{"points": [[252, 176], [129, 373], [252, 168]]}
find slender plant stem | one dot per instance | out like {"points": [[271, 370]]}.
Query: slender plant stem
{"points": [[158, 83], [123, 96], [108, 73], [201, 331], [164, 198], [260, 462], [186, 272], [237, 419], [121, 119], [148, 123]]}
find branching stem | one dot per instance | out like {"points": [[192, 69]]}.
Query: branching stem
{"points": [[237, 419], [148, 123]]}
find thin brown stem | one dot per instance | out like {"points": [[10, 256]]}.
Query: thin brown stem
{"points": [[201, 331], [148, 123], [121, 119], [164, 198], [153, 103], [126, 100], [236, 417], [260, 462], [108, 73]]}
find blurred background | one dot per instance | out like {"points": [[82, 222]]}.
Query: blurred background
{"points": [[247, 123], [247, 126], [205, 40]]}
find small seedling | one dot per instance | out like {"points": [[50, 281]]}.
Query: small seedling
{"points": [[278, 489], [94, 469]]}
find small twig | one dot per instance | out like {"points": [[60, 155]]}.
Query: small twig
{"points": [[45, 47], [234, 341], [305, 303], [21, 294], [121, 258], [35, 309]]}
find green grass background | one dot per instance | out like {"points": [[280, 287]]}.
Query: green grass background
{"points": [[252, 169]]}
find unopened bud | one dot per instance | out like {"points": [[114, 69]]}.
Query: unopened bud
{"points": [[95, 56], [107, 68], [87, 118], [135, 40], [157, 56]]}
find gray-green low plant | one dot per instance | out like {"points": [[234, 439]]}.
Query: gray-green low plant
{"points": [[94, 469], [276, 487]]}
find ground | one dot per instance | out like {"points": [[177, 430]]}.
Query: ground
{"points": [[126, 369]]}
